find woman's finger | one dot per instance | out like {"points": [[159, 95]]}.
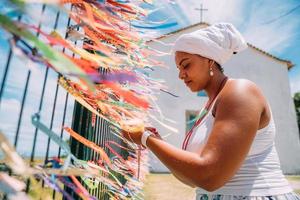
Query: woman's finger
{"points": [[151, 129]]}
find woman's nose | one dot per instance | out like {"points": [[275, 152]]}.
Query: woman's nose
{"points": [[181, 74]]}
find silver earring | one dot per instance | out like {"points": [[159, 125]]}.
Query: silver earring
{"points": [[211, 73]]}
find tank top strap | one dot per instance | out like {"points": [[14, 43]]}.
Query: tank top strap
{"points": [[213, 105]]}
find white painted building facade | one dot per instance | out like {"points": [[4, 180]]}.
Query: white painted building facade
{"points": [[268, 72]]}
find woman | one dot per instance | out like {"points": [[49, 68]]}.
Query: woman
{"points": [[229, 153]]}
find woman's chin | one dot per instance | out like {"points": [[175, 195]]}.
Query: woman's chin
{"points": [[193, 89]]}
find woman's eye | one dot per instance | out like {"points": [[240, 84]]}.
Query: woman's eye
{"points": [[186, 66]]}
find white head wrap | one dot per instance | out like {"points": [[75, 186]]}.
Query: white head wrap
{"points": [[217, 42]]}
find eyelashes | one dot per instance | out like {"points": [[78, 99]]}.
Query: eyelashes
{"points": [[186, 66]]}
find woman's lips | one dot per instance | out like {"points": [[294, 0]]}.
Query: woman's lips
{"points": [[187, 82]]}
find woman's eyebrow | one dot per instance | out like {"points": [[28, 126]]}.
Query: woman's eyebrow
{"points": [[182, 61]]}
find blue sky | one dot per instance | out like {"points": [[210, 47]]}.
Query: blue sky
{"points": [[255, 19]]}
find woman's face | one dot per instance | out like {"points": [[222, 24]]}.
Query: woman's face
{"points": [[193, 70]]}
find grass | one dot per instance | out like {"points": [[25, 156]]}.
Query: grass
{"points": [[167, 187], [293, 178]]}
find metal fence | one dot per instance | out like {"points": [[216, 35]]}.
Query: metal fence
{"points": [[28, 88]]}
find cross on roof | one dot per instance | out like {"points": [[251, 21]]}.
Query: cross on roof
{"points": [[201, 9]]}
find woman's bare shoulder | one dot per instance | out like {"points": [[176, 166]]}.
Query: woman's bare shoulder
{"points": [[242, 88], [240, 94]]}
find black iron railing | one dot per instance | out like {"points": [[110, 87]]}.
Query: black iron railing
{"points": [[19, 99]]}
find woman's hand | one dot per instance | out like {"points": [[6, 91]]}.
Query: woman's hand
{"points": [[153, 131], [135, 136]]}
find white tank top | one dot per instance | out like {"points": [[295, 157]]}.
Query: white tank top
{"points": [[260, 173]]}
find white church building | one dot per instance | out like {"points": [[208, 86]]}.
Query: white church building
{"points": [[267, 71]]}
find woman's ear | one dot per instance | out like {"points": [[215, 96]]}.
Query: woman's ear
{"points": [[211, 62]]}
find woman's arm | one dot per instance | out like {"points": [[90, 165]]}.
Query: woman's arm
{"points": [[237, 120], [182, 164], [183, 180]]}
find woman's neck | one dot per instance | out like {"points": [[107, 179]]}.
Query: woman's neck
{"points": [[214, 86]]}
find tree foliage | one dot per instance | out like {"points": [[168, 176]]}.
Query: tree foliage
{"points": [[297, 106]]}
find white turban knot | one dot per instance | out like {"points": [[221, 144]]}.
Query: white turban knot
{"points": [[217, 42]]}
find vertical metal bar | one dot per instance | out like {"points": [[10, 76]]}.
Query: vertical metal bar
{"points": [[98, 137], [39, 110], [5, 74], [77, 124], [86, 134], [35, 134], [51, 125], [6, 69], [53, 109], [103, 136], [40, 104], [93, 157], [67, 94], [61, 132], [63, 120], [22, 108], [95, 137], [25, 91], [51, 122], [98, 156], [73, 143]]}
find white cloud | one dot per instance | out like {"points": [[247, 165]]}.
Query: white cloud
{"points": [[249, 17], [10, 106], [273, 37]]}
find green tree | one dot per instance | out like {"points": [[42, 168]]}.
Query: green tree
{"points": [[297, 106]]}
